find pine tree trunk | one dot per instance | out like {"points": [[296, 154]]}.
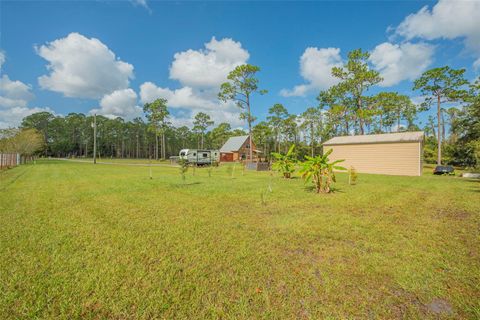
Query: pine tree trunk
{"points": [[138, 147], [360, 118], [163, 147], [156, 146], [250, 127], [312, 138], [443, 126], [439, 132]]}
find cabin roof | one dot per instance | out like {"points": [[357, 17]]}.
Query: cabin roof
{"points": [[233, 144]]}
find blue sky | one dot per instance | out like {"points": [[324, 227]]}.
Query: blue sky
{"points": [[79, 56]]}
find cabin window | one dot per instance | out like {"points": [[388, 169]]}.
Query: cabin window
{"points": [[194, 154], [182, 153], [205, 155]]}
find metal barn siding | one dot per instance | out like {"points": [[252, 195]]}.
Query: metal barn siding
{"points": [[391, 154]]}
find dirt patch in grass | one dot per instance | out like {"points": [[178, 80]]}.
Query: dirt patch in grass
{"points": [[453, 214], [404, 300], [439, 307]]}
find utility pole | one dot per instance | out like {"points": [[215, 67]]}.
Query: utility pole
{"points": [[94, 138]]}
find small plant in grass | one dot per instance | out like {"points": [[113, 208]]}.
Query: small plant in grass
{"points": [[210, 168], [150, 167], [229, 170], [319, 170], [209, 171], [264, 193], [285, 164], [352, 176], [263, 197], [183, 168]]}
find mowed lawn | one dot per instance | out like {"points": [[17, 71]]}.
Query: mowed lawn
{"points": [[105, 241]]}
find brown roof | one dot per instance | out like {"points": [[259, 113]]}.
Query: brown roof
{"points": [[377, 138]]}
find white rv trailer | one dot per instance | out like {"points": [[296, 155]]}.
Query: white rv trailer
{"points": [[200, 157]]}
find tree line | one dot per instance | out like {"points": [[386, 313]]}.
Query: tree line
{"points": [[344, 109]]}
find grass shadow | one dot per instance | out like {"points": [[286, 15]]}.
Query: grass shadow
{"points": [[472, 180], [332, 190], [181, 184]]}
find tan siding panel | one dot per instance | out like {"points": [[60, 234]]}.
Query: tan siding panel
{"points": [[382, 158]]}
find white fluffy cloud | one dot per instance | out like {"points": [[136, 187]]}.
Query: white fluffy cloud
{"points": [[200, 72], [83, 67], [2, 58], [448, 19], [208, 67], [189, 101], [184, 97], [12, 117], [120, 103], [14, 93], [397, 62], [316, 68], [14, 98], [186, 118]]}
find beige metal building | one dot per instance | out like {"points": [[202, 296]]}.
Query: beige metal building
{"points": [[398, 153]]}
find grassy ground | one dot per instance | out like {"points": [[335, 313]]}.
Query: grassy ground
{"points": [[120, 161], [105, 241]]}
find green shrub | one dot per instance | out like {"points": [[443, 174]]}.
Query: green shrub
{"points": [[320, 171], [352, 176], [183, 168], [285, 164]]}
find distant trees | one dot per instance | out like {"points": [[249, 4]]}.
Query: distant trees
{"points": [[262, 134], [312, 122], [201, 123], [349, 110], [39, 121], [157, 115], [219, 135], [72, 135], [276, 118], [239, 89], [355, 79], [440, 85], [465, 151], [26, 142], [391, 108]]}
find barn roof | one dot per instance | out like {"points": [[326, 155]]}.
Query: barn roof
{"points": [[233, 144], [377, 138]]}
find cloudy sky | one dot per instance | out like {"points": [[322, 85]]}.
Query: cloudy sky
{"points": [[110, 57]]}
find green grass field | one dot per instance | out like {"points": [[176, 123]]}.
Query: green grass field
{"points": [[105, 241]]}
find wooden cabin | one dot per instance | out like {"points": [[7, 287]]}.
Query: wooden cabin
{"points": [[236, 149]]}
